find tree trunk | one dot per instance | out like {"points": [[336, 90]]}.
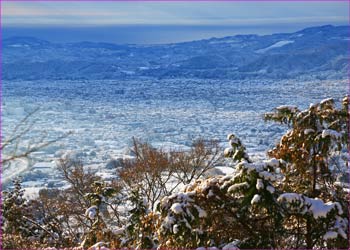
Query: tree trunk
{"points": [[309, 244]]}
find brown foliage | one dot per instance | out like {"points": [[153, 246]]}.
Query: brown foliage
{"points": [[156, 172], [308, 149], [191, 165]]}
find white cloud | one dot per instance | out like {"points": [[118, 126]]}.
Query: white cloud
{"points": [[181, 13]]}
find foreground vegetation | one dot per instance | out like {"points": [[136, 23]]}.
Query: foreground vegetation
{"points": [[295, 199]]}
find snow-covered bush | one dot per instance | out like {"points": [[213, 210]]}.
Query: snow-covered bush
{"points": [[24, 225], [14, 206], [236, 151], [97, 213], [310, 222], [316, 136], [15, 229], [139, 232], [219, 210], [82, 214], [291, 200]]}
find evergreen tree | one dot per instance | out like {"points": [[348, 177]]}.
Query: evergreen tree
{"points": [[316, 136], [215, 211], [139, 232]]}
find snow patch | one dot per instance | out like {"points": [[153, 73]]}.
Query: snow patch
{"points": [[91, 212], [259, 184], [267, 176], [332, 133], [287, 107], [176, 208], [255, 199], [319, 208], [201, 212], [271, 189], [99, 246], [273, 163], [238, 186], [328, 100], [118, 231], [275, 45], [316, 207], [231, 246], [309, 131], [330, 235], [175, 229]]}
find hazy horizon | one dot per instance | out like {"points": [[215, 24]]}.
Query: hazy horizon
{"points": [[145, 34], [163, 22]]}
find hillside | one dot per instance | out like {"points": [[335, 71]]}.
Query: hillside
{"points": [[320, 52]]}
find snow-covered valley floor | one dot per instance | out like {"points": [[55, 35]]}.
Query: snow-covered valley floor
{"points": [[104, 115]]}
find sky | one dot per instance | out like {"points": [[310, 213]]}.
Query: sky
{"points": [[164, 21]]}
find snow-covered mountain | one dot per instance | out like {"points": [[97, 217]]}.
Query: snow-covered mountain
{"points": [[317, 51]]}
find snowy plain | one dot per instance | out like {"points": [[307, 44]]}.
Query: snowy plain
{"points": [[104, 115]]}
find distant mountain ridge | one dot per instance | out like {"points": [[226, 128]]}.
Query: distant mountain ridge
{"points": [[321, 52]]}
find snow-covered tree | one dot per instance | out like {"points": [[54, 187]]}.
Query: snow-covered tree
{"points": [[96, 213], [312, 148], [219, 210], [139, 232], [291, 200], [23, 226], [316, 136], [310, 223]]}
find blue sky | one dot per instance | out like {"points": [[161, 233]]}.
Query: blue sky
{"points": [[163, 22], [178, 13]]}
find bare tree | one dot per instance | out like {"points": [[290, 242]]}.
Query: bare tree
{"points": [[148, 173], [156, 172], [10, 146], [191, 165]]}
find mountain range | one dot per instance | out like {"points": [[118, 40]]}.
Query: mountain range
{"points": [[321, 52]]}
